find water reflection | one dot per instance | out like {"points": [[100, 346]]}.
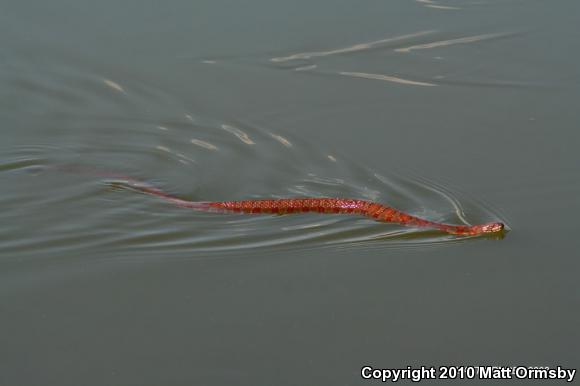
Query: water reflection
{"points": [[386, 78], [153, 136], [449, 42], [381, 53], [354, 48]]}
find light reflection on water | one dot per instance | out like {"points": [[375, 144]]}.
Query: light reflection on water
{"points": [[62, 211], [372, 100], [131, 127]]}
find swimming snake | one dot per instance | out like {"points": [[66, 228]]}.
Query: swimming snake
{"points": [[370, 209], [376, 211]]}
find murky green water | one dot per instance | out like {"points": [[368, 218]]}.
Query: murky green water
{"points": [[456, 111]]}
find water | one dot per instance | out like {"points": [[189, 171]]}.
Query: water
{"points": [[463, 112]]}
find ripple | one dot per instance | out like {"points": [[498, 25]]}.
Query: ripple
{"points": [[143, 132], [389, 60], [360, 47]]}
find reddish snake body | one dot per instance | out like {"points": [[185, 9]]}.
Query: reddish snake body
{"points": [[370, 209]]}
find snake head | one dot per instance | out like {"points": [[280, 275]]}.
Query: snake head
{"points": [[492, 227]]}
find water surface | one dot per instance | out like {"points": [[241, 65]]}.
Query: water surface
{"points": [[463, 112]]}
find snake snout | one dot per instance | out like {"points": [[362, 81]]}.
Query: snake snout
{"points": [[492, 227]]}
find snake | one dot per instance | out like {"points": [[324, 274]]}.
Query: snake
{"points": [[280, 206]]}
